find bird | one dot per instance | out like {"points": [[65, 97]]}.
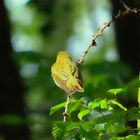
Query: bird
{"points": [[65, 74]]}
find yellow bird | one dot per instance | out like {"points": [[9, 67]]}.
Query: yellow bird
{"points": [[65, 74]]}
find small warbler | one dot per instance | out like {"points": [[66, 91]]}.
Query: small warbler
{"points": [[65, 74]]}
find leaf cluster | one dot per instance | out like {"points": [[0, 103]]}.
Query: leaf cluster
{"points": [[103, 118]]}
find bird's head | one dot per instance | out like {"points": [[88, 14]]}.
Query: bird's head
{"points": [[62, 54]]}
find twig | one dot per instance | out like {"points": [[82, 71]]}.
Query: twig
{"points": [[134, 10], [66, 108], [124, 5], [107, 24]]}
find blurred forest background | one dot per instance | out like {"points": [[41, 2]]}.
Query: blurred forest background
{"points": [[31, 34]]}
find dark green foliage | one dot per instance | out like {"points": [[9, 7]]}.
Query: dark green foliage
{"points": [[57, 107], [133, 114], [103, 119]]}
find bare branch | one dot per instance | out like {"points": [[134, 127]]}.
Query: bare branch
{"points": [[105, 25]]}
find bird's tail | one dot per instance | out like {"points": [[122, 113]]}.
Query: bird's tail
{"points": [[73, 85]]}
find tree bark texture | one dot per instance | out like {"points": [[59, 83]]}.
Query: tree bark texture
{"points": [[128, 35], [127, 30], [11, 88]]}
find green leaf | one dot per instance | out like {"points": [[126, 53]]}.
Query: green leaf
{"points": [[58, 130], [117, 90], [110, 107], [73, 106], [63, 129], [134, 110], [93, 105], [118, 104], [133, 137], [87, 131], [83, 113], [133, 114], [104, 104], [87, 126], [129, 137], [72, 125], [57, 107], [117, 116], [116, 128]]}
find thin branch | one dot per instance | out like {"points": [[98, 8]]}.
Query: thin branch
{"points": [[124, 5], [93, 43], [133, 10], [107, 24], [66, 108]]}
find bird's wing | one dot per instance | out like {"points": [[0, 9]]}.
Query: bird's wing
{"points": [[60, 77], [59, 82], [74, 70]]}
